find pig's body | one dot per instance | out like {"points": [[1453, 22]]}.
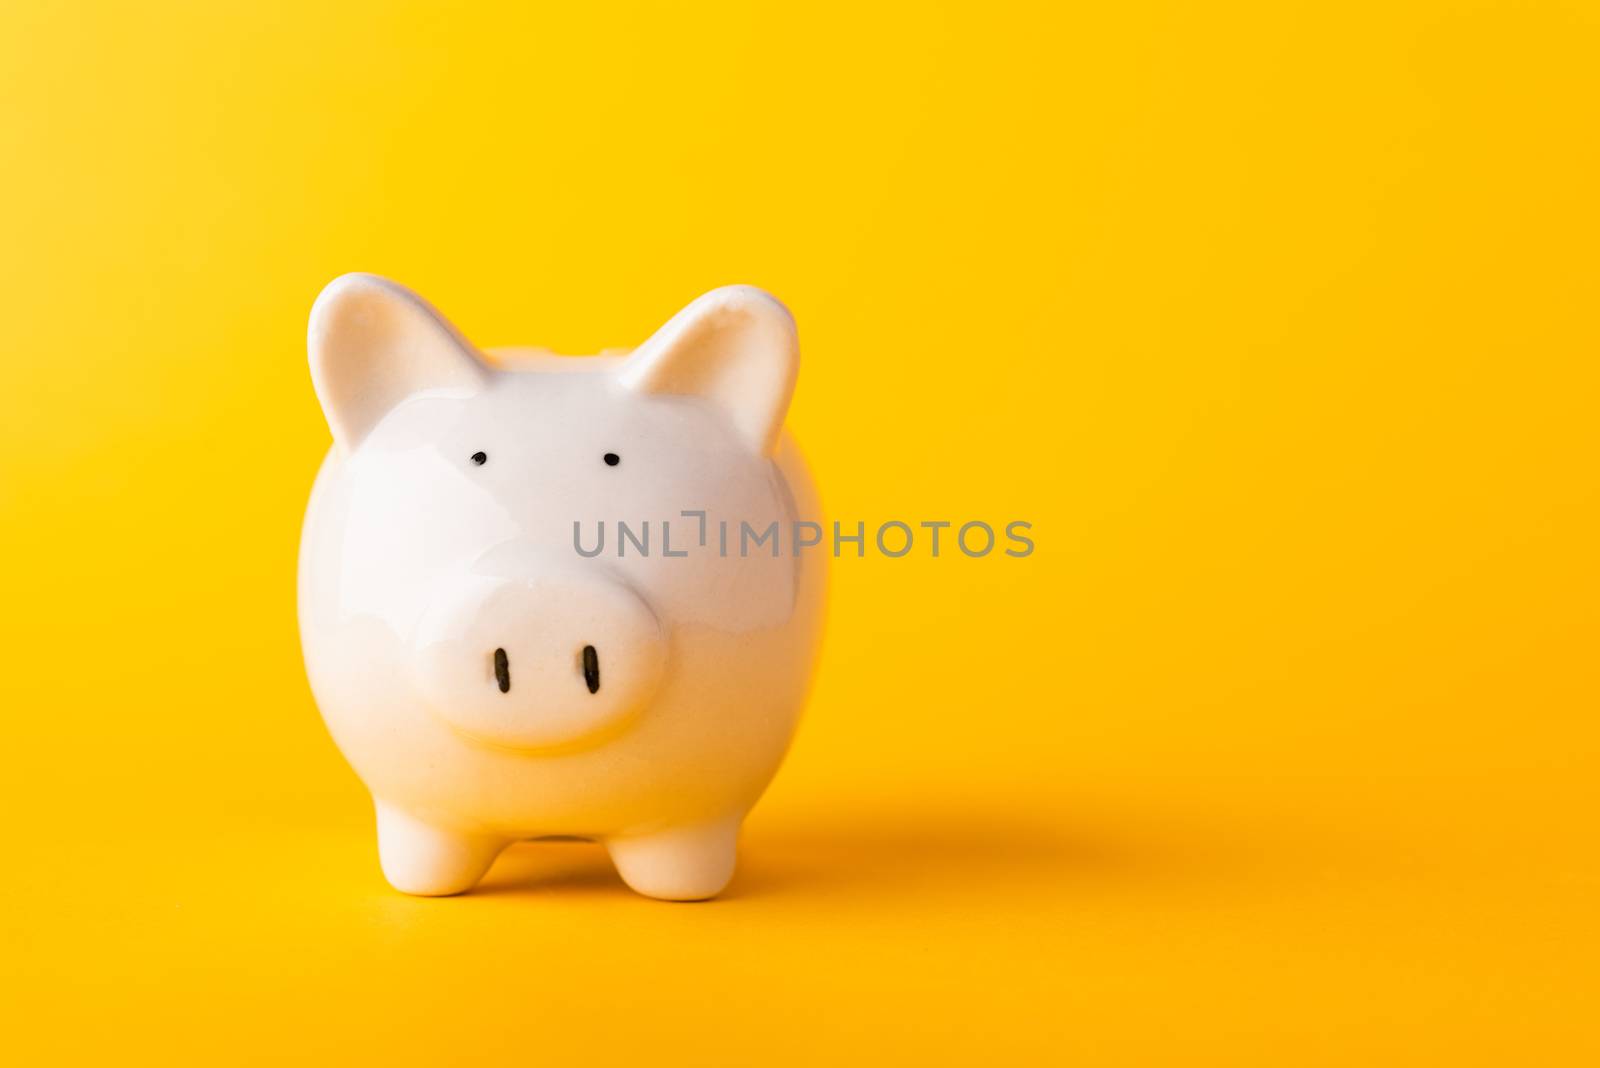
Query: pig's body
{"points": [[487, 681]]}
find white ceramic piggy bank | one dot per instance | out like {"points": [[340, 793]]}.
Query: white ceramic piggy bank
{"points": [[489, 675]]}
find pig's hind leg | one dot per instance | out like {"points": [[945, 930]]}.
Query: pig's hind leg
{"points": [[421, 859], [678, 864]]}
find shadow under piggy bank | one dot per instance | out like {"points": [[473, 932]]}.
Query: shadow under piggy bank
{"points": [[887, 855]]}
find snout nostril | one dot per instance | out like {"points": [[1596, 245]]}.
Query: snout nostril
{"points": [[591, 668], [502, 670]]}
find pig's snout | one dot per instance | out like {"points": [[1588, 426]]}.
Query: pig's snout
{"points": [[536, 663]]}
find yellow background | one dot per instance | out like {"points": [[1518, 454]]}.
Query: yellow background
{"points": [[1276, 320]]}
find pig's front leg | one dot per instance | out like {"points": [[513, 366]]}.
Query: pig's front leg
{"points": [[678, 864], [421, 859]]}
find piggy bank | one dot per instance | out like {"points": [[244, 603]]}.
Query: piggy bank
{"points": [[522, 610]]}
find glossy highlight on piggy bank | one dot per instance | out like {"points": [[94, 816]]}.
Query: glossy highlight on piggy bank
{"points": [[487, 683]]}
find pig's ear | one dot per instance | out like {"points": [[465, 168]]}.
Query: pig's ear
{"points": [[374, 343], [735, 346]]}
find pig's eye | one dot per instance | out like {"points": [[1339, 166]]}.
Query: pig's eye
{"points": [[612, 459], [480, 458]]}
